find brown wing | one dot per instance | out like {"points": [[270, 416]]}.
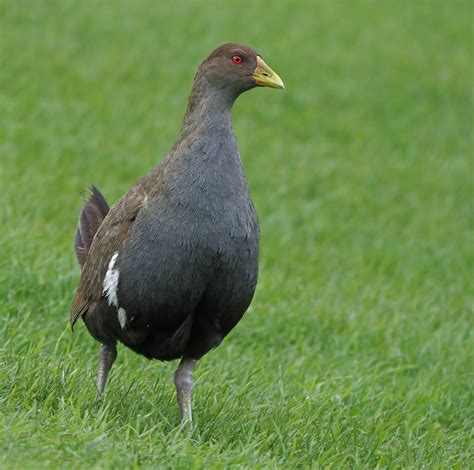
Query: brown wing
{"points": [[108, 240]]}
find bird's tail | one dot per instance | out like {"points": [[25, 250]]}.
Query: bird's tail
{"points": [[93, 213]]}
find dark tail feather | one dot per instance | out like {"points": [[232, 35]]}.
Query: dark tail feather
{"points": [[93, 213]]}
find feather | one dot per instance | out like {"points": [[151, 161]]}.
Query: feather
{"points": [[92, 215]]}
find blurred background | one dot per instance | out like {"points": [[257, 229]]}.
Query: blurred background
{"points": [[357, 350]]}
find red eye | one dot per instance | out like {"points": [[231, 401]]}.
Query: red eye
{"points": [[237, 59]]}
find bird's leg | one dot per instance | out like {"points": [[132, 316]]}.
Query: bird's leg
{"points": [[183, 379], [107, 355]]}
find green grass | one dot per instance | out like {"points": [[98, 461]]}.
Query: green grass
{"points": [[357, 351]]}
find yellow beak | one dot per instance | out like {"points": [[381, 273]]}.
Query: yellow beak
{"points": [[265, 76]]}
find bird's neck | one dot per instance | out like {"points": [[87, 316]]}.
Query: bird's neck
{"points": [[208, 113], [205, 157]]}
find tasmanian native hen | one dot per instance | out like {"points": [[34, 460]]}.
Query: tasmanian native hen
{"points": [[172, 267]]}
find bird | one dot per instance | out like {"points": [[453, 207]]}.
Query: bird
{"points": [[172, 266]]}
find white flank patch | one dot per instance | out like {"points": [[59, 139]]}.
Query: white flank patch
{"points": [[122, 317], [111, 280]]}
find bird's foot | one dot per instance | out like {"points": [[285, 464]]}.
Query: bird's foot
{"points": [[183, 379]]}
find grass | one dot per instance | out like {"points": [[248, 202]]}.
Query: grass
{"points": [[357, 351]]}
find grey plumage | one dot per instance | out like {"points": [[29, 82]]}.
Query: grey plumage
{"points": [[173, 267]]}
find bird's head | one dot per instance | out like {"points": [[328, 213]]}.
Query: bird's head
{"points": [[238, 68]]}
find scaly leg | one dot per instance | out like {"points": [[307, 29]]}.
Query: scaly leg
{"points": [[107, 356], [183, 379]]}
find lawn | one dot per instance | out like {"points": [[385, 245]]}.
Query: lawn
{"points": [[357, 351]]}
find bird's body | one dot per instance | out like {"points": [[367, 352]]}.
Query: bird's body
{"points": [[187, 269], [173, 266]]}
